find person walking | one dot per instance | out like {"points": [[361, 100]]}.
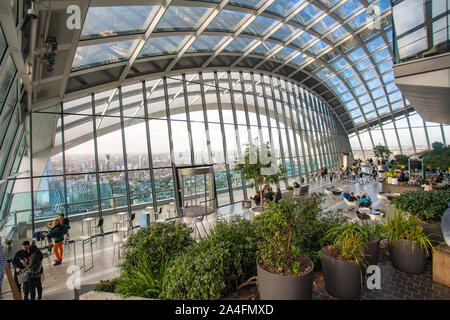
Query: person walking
{"points": [[57, 233]]}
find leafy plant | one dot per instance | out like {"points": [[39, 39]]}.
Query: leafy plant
{"points": [[107, 285], [155, 242], [401, 227], [144, 280], [290, 188], [197, 274], [381, 151], [437, 145], [437, 158], [401, 159], [351, 239], [429, 206], [279, 233], [259, 167]]}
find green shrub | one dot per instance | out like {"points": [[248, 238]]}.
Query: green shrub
{"points": [[216, 265], [107, 285], [155, 242], [399, 226], [290, 188], [429, 206], [197, 274], [144, 280], [351, 239]]}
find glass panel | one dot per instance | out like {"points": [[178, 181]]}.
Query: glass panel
{"points": [[239, 45], [264, 48], [407, 15], [161, 46], [348, 8], [303, 40], [324, 25], [160, 143], [6, 78], [111, 21], [104, 53], [252, 4], [317, 48], [307, 15], [284, 33], [205, 44], [283, 8], [337, 34], [412, 43], [284, 53], [227, 20], [260, 26], [178, 18], [329, 3]]}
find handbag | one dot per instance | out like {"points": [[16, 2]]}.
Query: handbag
{"points": [[23, 277]]}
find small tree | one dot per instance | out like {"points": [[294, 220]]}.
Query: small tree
{"points": [[259, 165], [437, 145], [381, 151]]}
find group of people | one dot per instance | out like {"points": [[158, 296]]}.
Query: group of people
{"points": [[363, 201], [267, 195], [27, 262]]}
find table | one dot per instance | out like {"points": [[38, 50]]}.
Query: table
{"points": [[373, 214], [122, 216], [82, 240], [88, 221]]}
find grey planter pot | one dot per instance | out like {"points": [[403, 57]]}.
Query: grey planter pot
{"points": [[372, 252], [434, 231], [445, 226], [407, 259], [275, 287], [342, 278]]}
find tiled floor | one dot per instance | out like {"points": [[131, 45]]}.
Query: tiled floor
{"points": [[395, 285]]}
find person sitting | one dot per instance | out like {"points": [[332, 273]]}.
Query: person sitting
{"points": [[256, 198], [346, 195], [427, 186], [296, 185], [267, 195], [365, 200], [278, 195], [352, 197]]}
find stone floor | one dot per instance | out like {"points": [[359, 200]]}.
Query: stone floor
{"points": [[395, 284]]}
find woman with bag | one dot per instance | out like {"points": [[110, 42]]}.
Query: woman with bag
{"points": [[57, 233], [34, 272]]}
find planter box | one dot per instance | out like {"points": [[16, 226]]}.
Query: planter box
{"points": [[406, 258], [275, 287], [342, 278], [96, 295], [441, 265]]}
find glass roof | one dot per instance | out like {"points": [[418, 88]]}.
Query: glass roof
{"points": [[327, 40], [112, 21]]}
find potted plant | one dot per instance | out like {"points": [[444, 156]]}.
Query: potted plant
{"points": [[259, 166], [284, 272], [343, 261], [381, 152], [428, 206], [374, 233], [289, 193], [408, 244]]}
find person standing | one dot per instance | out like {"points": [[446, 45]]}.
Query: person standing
{"points": [[278, 195], [34, 269], [57, 233], [18, 265]]}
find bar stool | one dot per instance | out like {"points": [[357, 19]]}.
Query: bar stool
{"points": [[117, 241], [116, 222]]}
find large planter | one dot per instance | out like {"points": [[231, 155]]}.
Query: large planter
{"points": [[372, 252], [275, 287], [406, 258], [342, 278], [445, 226]]}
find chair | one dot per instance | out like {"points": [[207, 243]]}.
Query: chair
{"points": [[362, 216], [117, 242], [98, 228], [351, 204], [304, 190], [116, 222]]}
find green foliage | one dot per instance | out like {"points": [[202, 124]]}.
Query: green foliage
{"points": [[437, 158], [399, 226], [147, 255], [107, 285], [401, 159], [155, 242], [197, 274], [290, 229], [290, 188], [427, 205], [437, 145], [256, 163], [381, 151], [215, 265], [351, 240]]}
